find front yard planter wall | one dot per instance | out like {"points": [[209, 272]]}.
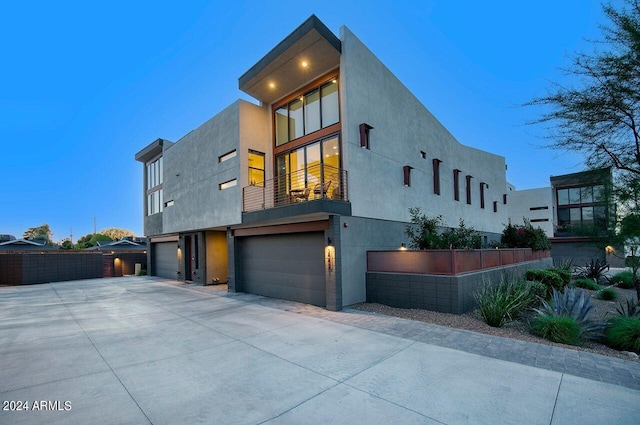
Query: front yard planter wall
{"points": [[443, 280]]}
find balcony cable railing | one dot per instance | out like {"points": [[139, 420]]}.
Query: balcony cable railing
{"points": [[309, 184]]}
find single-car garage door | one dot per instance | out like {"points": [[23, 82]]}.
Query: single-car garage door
{"points": [[289, 266], [165, 259]]}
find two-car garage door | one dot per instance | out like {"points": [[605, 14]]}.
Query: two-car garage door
{"points": [[287, 266]]}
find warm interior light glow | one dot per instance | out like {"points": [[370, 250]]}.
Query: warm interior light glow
{"points": [[609, 249], [334, 81], [272, 85], [403, 247], [304, 64]]}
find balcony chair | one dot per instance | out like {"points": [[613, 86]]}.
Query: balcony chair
{"points": [[300, 195], [321, 189]]}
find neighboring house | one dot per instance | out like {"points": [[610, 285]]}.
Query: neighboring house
{"points": [[121, 257], [26, 245], [535, 206], [583, 200], [284, 198]]}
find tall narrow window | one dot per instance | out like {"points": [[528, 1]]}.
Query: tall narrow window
{"points": [[456, 184], [436, 176], [482, 186], [296, 125], [155, 172], [504, 199], [364, 135], [495, 206], [468, 177], [256, 168], [329, 102], [407, 175]]}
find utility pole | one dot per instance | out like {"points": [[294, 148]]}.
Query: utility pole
{"points": [[71, 234], [94, 225]]}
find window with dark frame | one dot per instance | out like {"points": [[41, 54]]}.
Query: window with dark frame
{"points": [[495, 206], [316, 109], [436, 176], [456, 184], [406, 170], [468, 179], [482, 187], [364, 135]]}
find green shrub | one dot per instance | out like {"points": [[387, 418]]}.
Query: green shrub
{"points": [[538, 290], [624, 280], [427, 233], [549, 278], [607, 294], [586, 284], [572, 303], [561, 329], [564, 274], [525, 237], [143, 272], [501, 303], [623, 333]]}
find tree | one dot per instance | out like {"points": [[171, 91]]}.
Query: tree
{"points": [[630, 231], [42, 232], [600, 118], [116, 234], [92, 240], [66, 244]]}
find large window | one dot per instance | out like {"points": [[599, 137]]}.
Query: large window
{"points": [[310, 112], [581, 206], [314, 166], [155, 171]]}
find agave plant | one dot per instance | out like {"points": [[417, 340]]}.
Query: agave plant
{"points": [[573, 303], [632, 308]]}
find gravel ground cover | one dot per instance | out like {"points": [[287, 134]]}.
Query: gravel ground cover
{"points": [[519, 329]]}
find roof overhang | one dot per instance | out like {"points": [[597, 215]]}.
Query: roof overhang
{"points": [[152, 150], [281, 71]]}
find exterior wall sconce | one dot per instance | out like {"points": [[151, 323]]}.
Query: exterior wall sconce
{"points": [[330, 253], [328, 241], [403, 247], [609, 249]]}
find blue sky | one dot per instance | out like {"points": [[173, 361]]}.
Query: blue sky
{"points": [[85, 85]]}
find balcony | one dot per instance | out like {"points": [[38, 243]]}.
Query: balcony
{"points": [[318, 188]]}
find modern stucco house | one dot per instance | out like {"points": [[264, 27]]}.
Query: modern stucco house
{"points": [[284, 197], [571, 201]]}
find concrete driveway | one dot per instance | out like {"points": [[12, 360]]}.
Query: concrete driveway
{"points": [[145, 350]]}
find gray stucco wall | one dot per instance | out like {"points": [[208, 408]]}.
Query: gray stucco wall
{"points": [[193, 173], [403, 127], [361, 235]]}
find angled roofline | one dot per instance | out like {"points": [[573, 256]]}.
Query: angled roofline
{"points": [[311, 23]]}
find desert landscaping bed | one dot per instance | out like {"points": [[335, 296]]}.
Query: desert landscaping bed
{"points": [[519, 329]]}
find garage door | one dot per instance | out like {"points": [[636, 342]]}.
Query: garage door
{"points": [[288, 266], [165, 259]]}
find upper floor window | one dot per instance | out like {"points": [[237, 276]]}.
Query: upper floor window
{"points": [[256, 168], [312, 111], [155, 171], [581, 206]]}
